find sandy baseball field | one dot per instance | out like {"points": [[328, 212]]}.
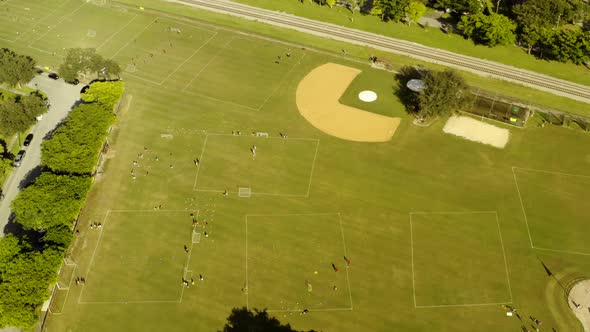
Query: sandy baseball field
{"points": [[317, 99], [580, 293], [477, 131]]}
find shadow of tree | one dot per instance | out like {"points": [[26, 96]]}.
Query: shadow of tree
{"points": [[408, 97], [30, 177], [244, 320]]}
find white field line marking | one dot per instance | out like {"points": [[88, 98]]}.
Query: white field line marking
{"points": [[104, 222], [550, 172], [504, 255], [56, 24], [346, 254], [188, 260], [219, 100], [281, 82], [69, 286], [462, 305], [563, 251], [526, 221], [213, 58], [294, 214], [317, 147], [247, 285], [42, 50], [200, 160], [412, 255], [126, 302], [117, 32], [141, 78], [253, 192], [134, 37], [188, 59], [310, 310], [39, 21], [453, 212]]}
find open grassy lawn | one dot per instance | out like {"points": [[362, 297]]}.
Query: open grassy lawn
{"points": [[315, 199]]}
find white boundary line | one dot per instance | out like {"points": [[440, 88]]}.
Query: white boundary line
{"points": [[56, 24], [532, 170], [504, 255], [301, 214], [317, 140], [213, 58], [465, 304], [134, 37], [188, 260], [91, 263], [190, 57], [117, 32], [40, 20], [281, 82], [218, 100], [61, 310], [526, 220], [563, 251]]}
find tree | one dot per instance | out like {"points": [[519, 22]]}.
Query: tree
{"points": [[105, 93], [331, 3], [570, 45], [74, 147], [51, 201], [244, 320], [445, 92], [415, 10], [547, 13], [491, 30], [533, 35], [390, 10], [15, 69], [19, 113], [86, 61], [24, 285], [461, 6]]}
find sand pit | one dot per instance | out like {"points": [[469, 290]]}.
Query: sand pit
{"points": [[317, 99], [477, 131], [580, 294]]}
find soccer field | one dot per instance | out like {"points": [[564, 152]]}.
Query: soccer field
{"points": [[234, 190]]}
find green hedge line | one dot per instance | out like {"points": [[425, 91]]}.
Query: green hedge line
{"points": [[46, 209]]}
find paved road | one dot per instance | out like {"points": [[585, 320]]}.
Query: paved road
{"points": [[62, 97], [479, 66]]}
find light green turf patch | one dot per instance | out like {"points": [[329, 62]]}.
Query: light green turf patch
{"points": [[160, 49], [458, 259], [84, 25], [382, 83], [284, 253], [17, 18], [556, 218], [277, 166], [245, 60], [139, 257]]}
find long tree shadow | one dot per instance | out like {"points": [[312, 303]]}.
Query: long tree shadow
{"points": [[30, 177], [244, 320]]}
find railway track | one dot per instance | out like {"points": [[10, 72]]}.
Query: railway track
{"points": [[479, 66]]}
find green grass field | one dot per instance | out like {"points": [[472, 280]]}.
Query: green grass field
{"points": [[326, 198]]}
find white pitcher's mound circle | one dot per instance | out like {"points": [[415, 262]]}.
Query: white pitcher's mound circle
{"points": [[368, 96]]}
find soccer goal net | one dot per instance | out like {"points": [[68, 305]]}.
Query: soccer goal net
{"points": [[244, 192]]}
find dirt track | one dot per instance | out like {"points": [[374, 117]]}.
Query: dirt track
{"points": [[317, 99]]}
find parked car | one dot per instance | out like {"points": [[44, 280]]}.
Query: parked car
{"points": [[74, 82], [28, 140], [53, 76], [19, 158]]}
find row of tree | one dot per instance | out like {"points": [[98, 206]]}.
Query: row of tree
{"points": [[46, 209], [550, 29]]}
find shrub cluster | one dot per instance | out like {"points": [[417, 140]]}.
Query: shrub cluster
{"points": [[46, 209]]}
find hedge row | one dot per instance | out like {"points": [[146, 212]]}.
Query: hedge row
{"points": [[46, 209]]}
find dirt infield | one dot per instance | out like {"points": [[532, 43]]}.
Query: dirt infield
{"points": [[317, 99], [580, 294], [477, 131]]}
